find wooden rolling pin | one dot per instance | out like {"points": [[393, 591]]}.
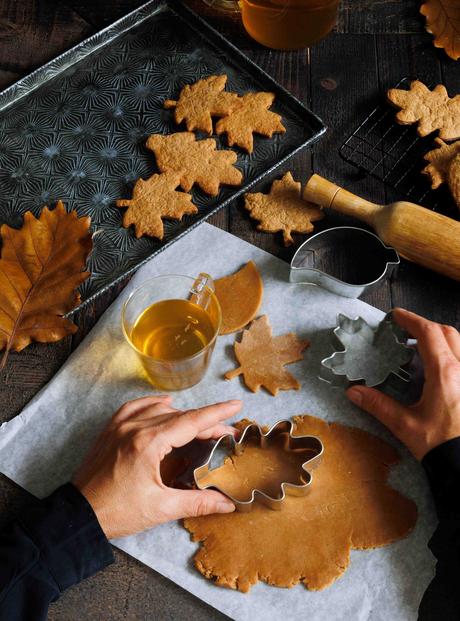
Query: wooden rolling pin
{"points": [[418, 234]]}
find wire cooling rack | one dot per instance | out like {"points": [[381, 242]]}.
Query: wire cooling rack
{"points": [[393, 153]]}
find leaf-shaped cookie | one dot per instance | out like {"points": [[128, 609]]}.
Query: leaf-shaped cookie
{"points": [[240, 296], [41, 267], [443, 21], [350, 505], [453, 178], [154, 199], [250, 115], [283, 209], [262, 358], [440, 160], [431, 109], [197, 161], [199, 102]]}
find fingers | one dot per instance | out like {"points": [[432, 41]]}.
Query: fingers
{"points": [[130, 408], [431, 341], [387, 410], [185, 428], [219, 430], [195, 503], [452, 336]]}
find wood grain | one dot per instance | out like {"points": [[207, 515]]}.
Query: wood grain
{"points": [[376, 42]]}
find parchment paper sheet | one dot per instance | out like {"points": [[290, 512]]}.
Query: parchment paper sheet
{"points": [[41, 447]]}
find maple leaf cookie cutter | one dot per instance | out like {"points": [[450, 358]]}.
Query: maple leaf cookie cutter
{"points": [[290, 442], [367, 354]]}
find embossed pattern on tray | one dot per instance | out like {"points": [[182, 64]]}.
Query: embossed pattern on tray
{"points": [[75, 129]]}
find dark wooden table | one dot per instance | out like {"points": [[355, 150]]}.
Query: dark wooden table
{"points": [[341, 79]]}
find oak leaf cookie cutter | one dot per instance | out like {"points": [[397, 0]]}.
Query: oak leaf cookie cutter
{"points": [[366, 261], [254, 431], [366, 354]]}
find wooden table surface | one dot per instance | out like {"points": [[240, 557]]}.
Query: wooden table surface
{"points": [[374, 45]]}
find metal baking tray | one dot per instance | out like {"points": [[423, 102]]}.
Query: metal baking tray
{"points": [[75, 129]]}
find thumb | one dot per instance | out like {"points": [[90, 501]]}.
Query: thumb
{"points": [[385, 409], [193, 503]]}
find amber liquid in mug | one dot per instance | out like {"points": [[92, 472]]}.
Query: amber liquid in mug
{"points": [[288, 24], [172, 330]]}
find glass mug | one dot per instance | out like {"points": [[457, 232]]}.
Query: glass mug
{"points": [[285, 24], [172, 323], [288, 24]]}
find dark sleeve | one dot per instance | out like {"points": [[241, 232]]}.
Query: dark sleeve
{"points": [[53, 544], [442, 597]]}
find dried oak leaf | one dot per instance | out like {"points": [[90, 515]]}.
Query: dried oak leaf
{"points": [[40, 269], [443, 21], [431, 109], [262, 358], [198, 102], [154, 199], [197, 161], [250, 115], [440, 160], [283, 209], [350, 506]]}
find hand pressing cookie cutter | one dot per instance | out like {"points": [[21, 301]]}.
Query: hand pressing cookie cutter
{"points": [[311, 443], [366, 354], [367, 261]]}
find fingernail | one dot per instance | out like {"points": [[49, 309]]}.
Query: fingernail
{"points": [[225, 507], [354, 394], [234, 402]]}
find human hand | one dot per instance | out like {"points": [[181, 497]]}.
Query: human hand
{"points": [[121, 478], [435, 418]]}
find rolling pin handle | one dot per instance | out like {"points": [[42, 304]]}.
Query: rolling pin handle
{"points": [[331, 196]]}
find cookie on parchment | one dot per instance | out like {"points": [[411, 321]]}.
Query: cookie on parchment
{"points": [[154, 199], [432, 110], [199, 102], [250, 115], [283, 209], [196, 161]]}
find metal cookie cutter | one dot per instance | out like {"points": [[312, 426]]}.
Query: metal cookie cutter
{"points": [[254, 432], [369, 355], [365, 261]]}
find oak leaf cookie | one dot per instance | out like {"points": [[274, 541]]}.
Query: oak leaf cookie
{"points": [[453, 178], [154, 199], [196, 161], [350, 506], [250, 115], [432, 110], [199, 102], [283, 209], [240, 296], [262, 358], [440, 160]]}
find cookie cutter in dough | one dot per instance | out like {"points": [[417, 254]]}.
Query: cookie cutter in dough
{"points": [[254, 431], [366, 354], [365, 261]]}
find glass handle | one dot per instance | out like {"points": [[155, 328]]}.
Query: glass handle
{"points": [[201, 290]]}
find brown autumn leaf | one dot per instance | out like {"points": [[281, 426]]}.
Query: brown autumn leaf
{"points": [[40, 269], [443, 22], [262, 358]]}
